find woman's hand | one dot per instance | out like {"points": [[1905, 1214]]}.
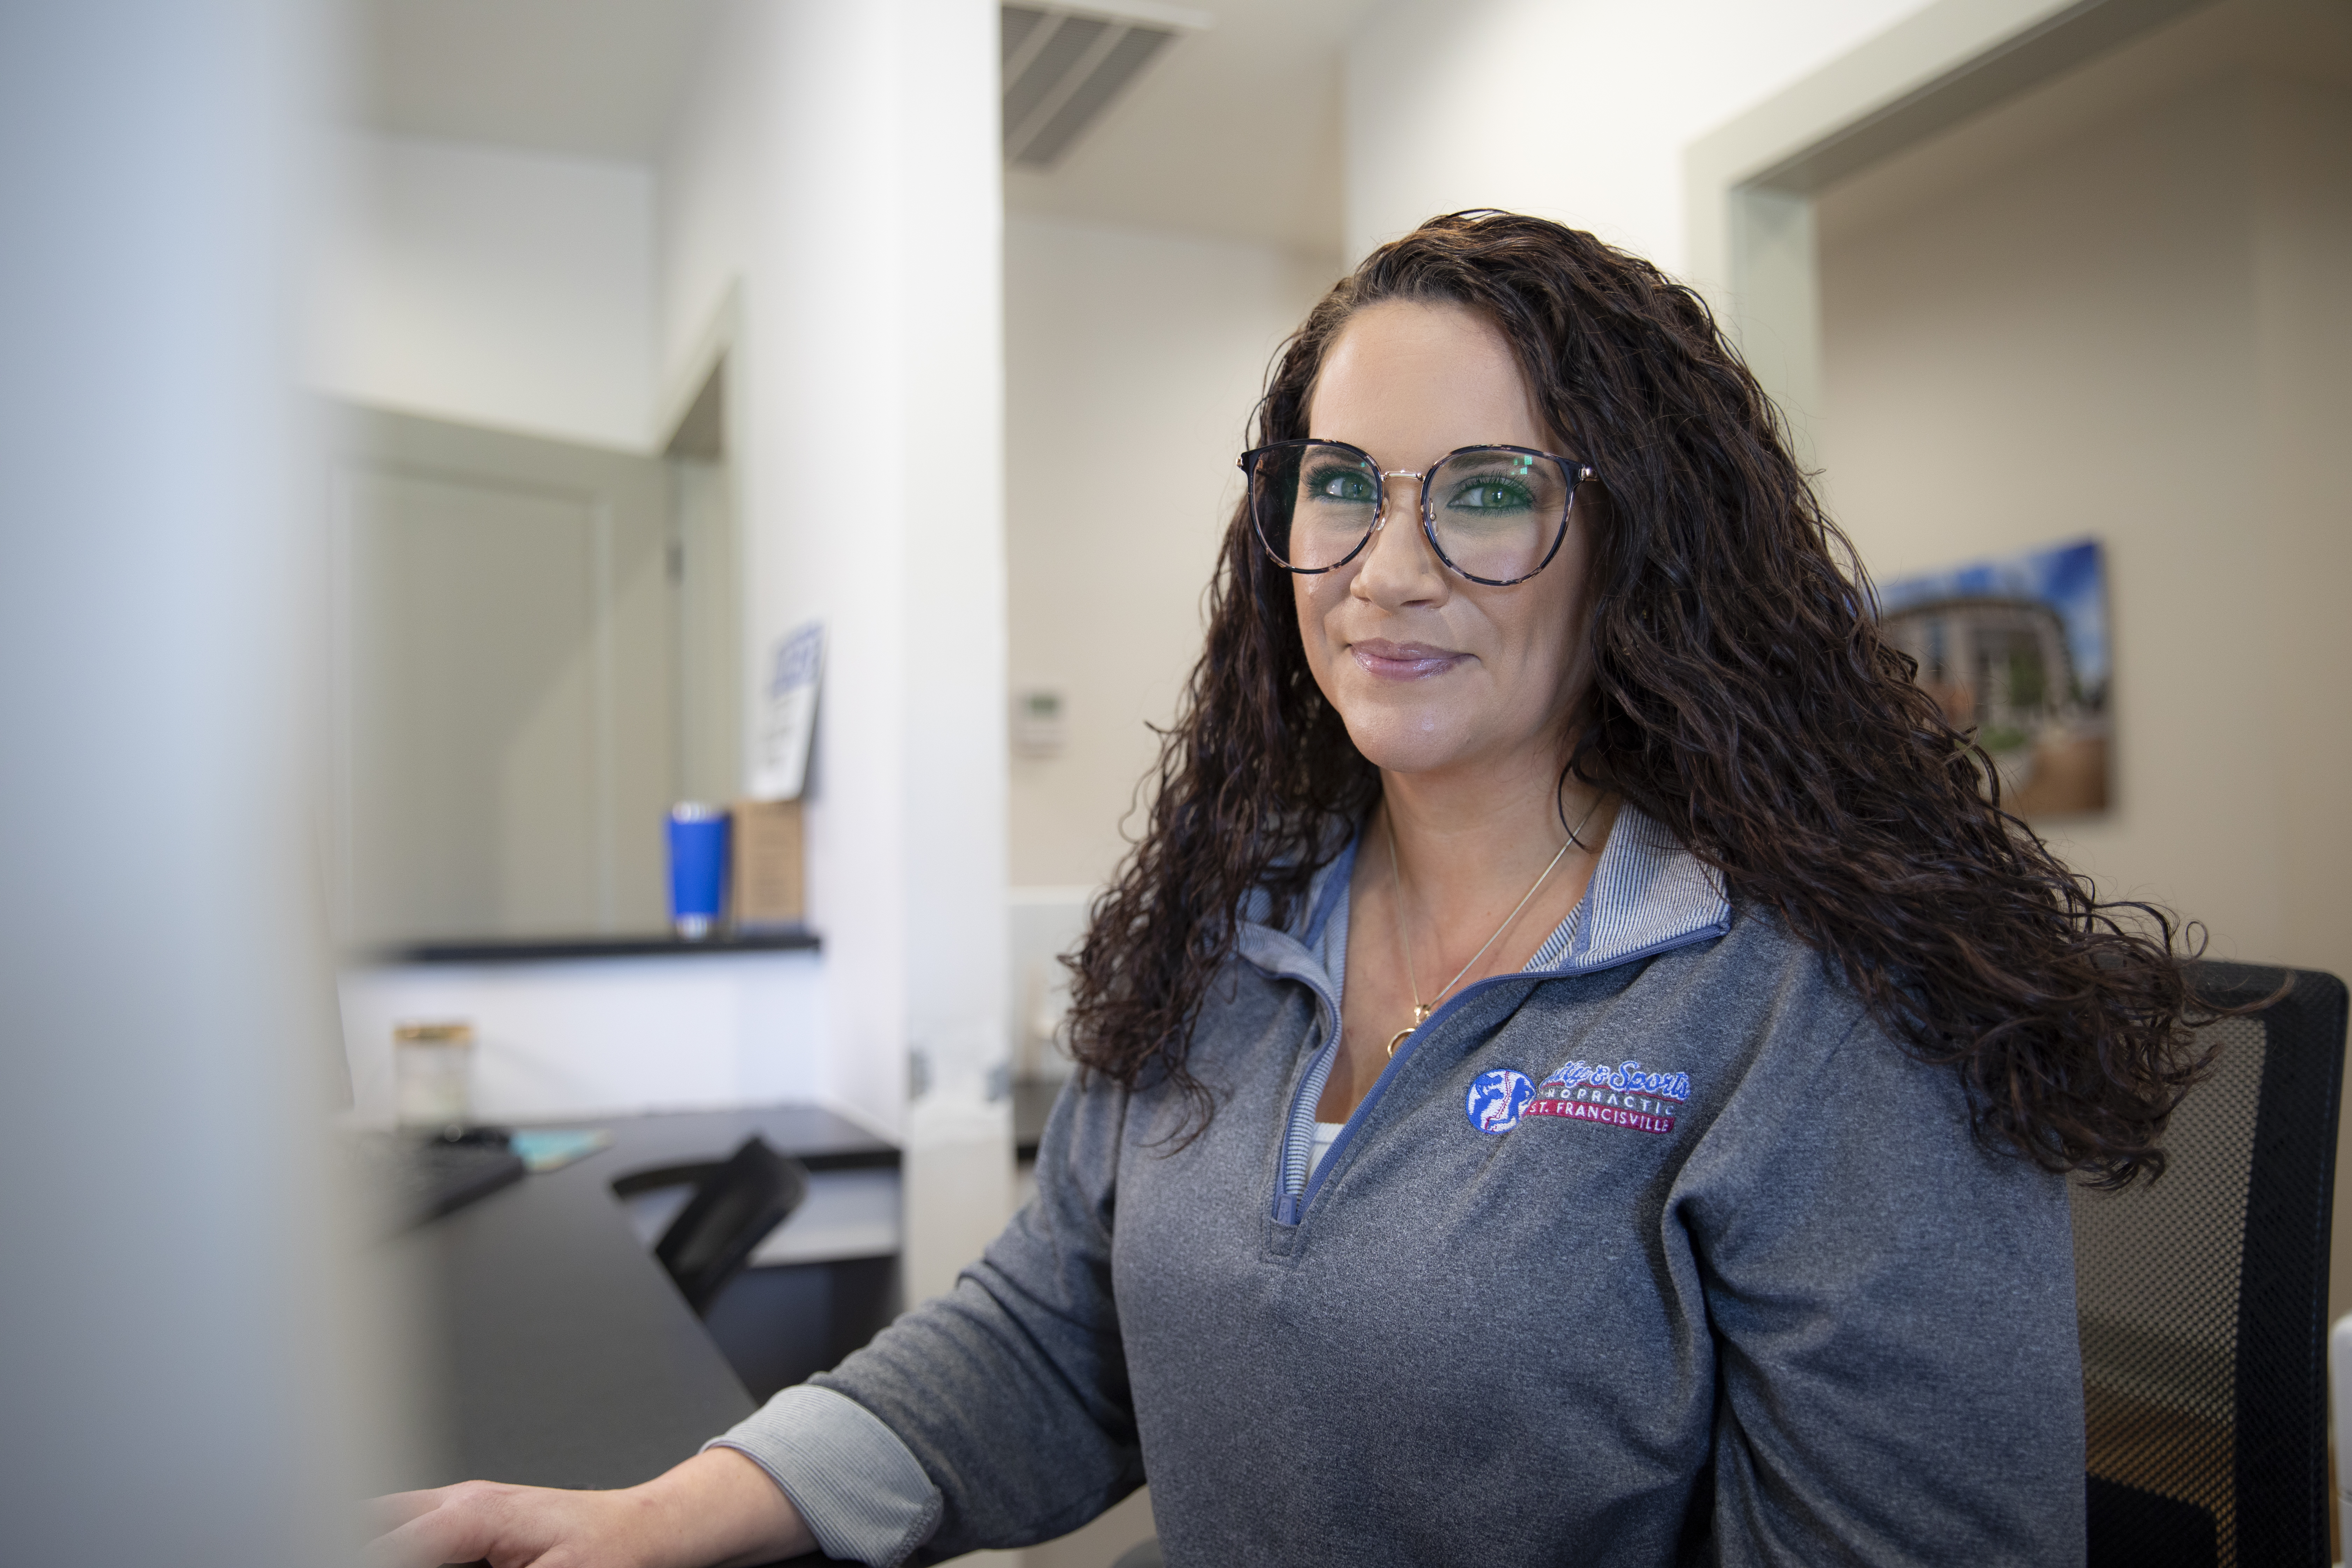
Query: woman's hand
{"points": [[717, 1510]]}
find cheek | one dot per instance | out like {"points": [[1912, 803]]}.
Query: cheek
{"points": [[1572, 661], [1314, 597], [1310, 629], [1551, 630]]}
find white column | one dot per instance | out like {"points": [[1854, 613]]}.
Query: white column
{"points": [[170, 1038], [872, 442]]}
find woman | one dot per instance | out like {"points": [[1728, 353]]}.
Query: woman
{"points": [[1576, 1070]]}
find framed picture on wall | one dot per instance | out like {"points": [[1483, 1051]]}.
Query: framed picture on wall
{"points": [[2015, 648]]}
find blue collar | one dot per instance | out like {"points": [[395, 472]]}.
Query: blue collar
{"points": [[1648, 894]]}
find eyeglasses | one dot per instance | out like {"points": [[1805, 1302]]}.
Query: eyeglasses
{"points": [[1495, 515]]}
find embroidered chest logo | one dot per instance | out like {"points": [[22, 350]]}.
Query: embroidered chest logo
{"points": [[1496, 1098], [1621, 1096]]}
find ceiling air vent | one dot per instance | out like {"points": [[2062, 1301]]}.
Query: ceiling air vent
{"points": [[1063, 68]]}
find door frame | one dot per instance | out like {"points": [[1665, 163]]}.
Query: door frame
{"points": [[1749, 187]]}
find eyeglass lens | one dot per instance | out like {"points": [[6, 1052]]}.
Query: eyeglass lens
{"points": [[1495, 514]]}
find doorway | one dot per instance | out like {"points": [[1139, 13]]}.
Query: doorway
{"points": [[535, 649]]}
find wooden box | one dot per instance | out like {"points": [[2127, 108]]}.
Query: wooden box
{"points": [[766, 885]]}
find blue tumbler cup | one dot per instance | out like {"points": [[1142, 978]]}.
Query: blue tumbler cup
{"points": [[698, 867]]}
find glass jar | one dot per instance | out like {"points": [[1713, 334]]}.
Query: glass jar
{"points": [[432, 1073]]}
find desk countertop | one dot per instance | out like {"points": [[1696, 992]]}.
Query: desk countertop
{"points": [[567, 1357], [541, 950]]}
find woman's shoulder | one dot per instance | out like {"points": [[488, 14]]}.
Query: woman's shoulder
{"points": [[1743, 987], [1798, 1060]]}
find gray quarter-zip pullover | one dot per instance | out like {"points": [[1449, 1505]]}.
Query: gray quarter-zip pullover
{"points": [[1657, 1251]]}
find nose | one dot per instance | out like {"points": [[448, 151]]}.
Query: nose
{"points": [[1398, 566]]}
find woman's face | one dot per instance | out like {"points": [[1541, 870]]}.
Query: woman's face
{"points": [[1430, 671]]}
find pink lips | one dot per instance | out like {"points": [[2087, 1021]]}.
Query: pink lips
{"points": [[1402, 661]]}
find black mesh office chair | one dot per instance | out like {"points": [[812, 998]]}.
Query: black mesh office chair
{"points": [[736, 1202], [2202, 1302]]}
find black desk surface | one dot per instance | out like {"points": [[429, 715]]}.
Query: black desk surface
{"points": [[566, 1358], [654, 945]]}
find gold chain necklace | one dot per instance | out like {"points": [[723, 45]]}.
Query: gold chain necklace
{"points": [[1421, 1010]]}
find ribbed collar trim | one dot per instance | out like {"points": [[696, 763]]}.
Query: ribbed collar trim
{"points": [[1648, 894]]}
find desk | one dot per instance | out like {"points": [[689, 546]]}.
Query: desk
{"points": [[568, 1358]]}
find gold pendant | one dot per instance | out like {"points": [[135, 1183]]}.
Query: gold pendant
{"points": [[1420, 1016]]}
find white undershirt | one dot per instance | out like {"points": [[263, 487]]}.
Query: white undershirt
{"points": [[1325, 1131]]}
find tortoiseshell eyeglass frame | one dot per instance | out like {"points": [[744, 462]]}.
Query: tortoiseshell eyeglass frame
{"points": [[1572, 471]]}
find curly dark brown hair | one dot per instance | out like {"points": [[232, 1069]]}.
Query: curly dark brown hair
{"points": [[1744, 697]]}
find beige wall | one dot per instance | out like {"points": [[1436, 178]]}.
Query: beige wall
{"points": [[2137, 329], [2303, 325], [488, 286], [1133, 361]]}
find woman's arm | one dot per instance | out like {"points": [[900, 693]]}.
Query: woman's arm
{"points": [[993, 1415], [719, 1510]]}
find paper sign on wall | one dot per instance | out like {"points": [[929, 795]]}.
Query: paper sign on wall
{"points": [[788, 714]]}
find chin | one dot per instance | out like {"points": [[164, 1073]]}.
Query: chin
{"points": [[1407, 743]]}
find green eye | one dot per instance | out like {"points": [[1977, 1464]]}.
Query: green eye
{"points": [[1351, 486], [1491, 495]]}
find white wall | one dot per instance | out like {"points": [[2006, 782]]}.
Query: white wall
{"points": [[710, 197], [707, 1031], [1573, 109], [842, 164], [489, 286], [1133, 360]]}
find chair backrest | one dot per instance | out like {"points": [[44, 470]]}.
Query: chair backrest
{"points": [[2203, 1300], [735, 1204]]}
